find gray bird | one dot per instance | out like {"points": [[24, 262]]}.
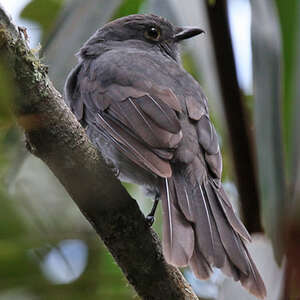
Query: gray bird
{"points": [[149, 117]]}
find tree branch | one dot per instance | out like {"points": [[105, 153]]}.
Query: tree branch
{"points": [[54, 135]]}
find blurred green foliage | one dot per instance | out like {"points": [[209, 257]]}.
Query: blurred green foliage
{"points": [[189, 64], [128, 7], [289, 17]]}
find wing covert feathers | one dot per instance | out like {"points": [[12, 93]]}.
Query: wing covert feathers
{"points": [[147, 133], [131, 147]]}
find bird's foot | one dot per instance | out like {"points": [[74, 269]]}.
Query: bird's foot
{"points": [[150, 217], [150, 220]]}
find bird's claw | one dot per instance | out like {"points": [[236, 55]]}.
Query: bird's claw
{"points": [[150, 220]]}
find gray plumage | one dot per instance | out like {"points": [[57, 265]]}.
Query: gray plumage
{"points": [[149, 117]]}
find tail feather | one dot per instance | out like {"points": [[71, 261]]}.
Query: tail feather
{"points": [[178, 235], [253, 282], [218, 254], [203, 224], [200, 229], [184, 199], [235, 223], [200, 265], [228, 236], [241, 266], [230, 269]]}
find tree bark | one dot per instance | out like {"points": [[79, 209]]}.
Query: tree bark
{"points": [[54, 135]]}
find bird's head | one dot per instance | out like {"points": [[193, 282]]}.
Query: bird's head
{"points": [[143, 31]]}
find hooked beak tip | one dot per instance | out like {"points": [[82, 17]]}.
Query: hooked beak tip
{"points": [[184, 33]]}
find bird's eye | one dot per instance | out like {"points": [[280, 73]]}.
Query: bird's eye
{"points": [[152, 33]]}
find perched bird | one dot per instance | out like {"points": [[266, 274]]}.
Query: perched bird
{"points": [[149, 117]]}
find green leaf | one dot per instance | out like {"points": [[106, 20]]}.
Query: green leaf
{"points": [[295, 137], [128, 7], [266, 45], [43, 13], [288, 12]]}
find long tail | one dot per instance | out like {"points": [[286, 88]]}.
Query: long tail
{"points": [[201, 230]]}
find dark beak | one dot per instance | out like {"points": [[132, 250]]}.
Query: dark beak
{"points": [[183, 33]]}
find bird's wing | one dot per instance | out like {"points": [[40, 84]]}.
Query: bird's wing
{"points": [[139, 119], [206, 133]]}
